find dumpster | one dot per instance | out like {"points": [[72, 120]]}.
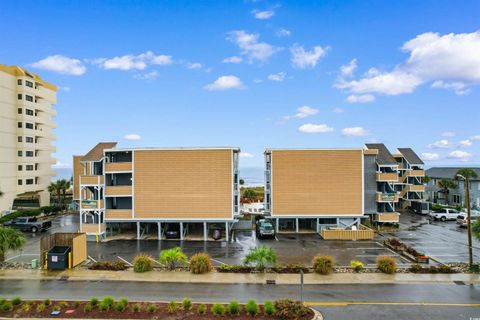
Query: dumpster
{"points": [[58, 257]]}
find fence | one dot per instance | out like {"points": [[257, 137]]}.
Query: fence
{"points": [[77, 241], [363, 233]]}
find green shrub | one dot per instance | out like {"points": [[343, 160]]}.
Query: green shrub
{"points": [[252, 308], [415, 268], [116, 265], [387, 264], [63, 304], [233, 308], [76, 304], [103, 306], [2, 300], [224, 268], [7, 306], [16, 301], [444, 269], [289, 309], [260, 257], [142, 263], [201, 309], [88, 307], [269, 308], [94, 301], [357, 265], [57, 308], [41, 307], [172, 307], [120, 307], [124, 301], [200, 263], [151, 308], [26, 307], [322, 264], [136, 308], [475, 267], [218, 309], [47, 302], [433, 269], [173, 258], [108, 300], [187, 304]]}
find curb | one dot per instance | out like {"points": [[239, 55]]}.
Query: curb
{"points": [[316, 314]]}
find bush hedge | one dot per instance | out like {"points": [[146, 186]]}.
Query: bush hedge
{"points": [[142, 263], [322, 264], [387, 264], [116, 265], [289, 309], [200, 263]]}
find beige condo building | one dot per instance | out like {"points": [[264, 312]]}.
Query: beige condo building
{"points": [[26, 136]]}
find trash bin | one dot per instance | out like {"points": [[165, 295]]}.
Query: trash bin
{"points": [[58, 258], [34, 264]]}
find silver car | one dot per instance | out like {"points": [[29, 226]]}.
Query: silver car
{"points": [[462, 219]]}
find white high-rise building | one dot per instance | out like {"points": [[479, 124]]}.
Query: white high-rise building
{"points": [[26, 135]]}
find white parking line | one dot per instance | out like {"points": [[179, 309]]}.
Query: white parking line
{"points": [[92, 259], [125, 261], [13, 257], [218, 261]]}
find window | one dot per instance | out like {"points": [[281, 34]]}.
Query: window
{"points": [[20, 110], [29, 181], [29, 153], [20, 167], [20, 139], [29, 112], [28, 98], [29, 139], [19, 81], [456, 198], [29, 125], [19, 153], [29, 167], [29, 83], [19, 182], [19, 124], [19, 96]]}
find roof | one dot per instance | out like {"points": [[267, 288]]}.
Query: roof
{"points": [[21, 72], [447, 172], [170, 149], [384, 156], [96, 154], [411, 156]]}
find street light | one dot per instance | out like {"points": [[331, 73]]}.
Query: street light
{"points": [[469, 217]]}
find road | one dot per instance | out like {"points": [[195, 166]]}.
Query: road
{"points": [[394, 301]]}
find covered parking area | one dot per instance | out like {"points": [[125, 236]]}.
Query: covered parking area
{"points": [[303, 224]]}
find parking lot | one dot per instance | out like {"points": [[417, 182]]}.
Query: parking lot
{"points": [[441, 240]]}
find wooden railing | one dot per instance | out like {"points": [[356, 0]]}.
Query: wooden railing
{"points": [[118, 190], [118, 213], [92, 180], [388, 217], [118, 166], [390, 176], [92, 228], [92, 204], [363, 233]]}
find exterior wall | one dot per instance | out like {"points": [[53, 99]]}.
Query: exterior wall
{"points": [[78, 170], [44, 96], [317, 182], [183, 184]]}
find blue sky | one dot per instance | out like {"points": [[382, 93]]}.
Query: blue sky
{"points": [[256, 74]]}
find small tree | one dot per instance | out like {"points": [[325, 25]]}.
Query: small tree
{"points": [[242, 182], [64, 185], [10, 239], [54, 188], [446, 185], [260, 257], [173, 258]]}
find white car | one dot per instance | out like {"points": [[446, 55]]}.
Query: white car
{"points": [[445, 214], [462, 219]]}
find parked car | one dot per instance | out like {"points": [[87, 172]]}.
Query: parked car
{"points": [[264, 228], [32, 224], [173, 231], [462, 219], [445, 214], [216, 234]]}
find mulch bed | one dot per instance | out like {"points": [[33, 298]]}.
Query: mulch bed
{"points": [[161, 313]]}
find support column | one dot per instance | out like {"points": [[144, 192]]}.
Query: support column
{"points": [[181, 230], [318, 225], [277, 225], [226, 231], [159, 230], [296, 225], [205, 232], [138, 230]]}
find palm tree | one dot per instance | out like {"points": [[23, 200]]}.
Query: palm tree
{"points": [[54, 188], [64, 185], [10, 239], [260, 257], [467, 174], [446, 185]]}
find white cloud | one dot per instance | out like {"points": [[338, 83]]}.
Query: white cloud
{"points": [[303, 112], [130, 61], [282, 32], [363, 98], [59, 164], [263, 15], [451, 61], [246, 155], [355, 132], [277, 76], [302, 59], [348, 69], [314, 128], [66, 89], [225, 83], [132, 137], [233, 59], [61, 64], [250, 46], [430, 156], [147, 76], [448, 134], [460, 88], [338, 110], [194, 65], [475, 137], [460, 155], [465, 143], [440, 144]]}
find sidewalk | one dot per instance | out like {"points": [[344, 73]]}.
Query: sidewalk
{"points": [[235, 278]]}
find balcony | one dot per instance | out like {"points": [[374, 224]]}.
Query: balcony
{"points": [[92, 204], [387, 197], [416, 188], [391, 217], [416, 173], [390, 176], [91, 180], [118, 214], [112, 191], [93, 228], [118, 166]]}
